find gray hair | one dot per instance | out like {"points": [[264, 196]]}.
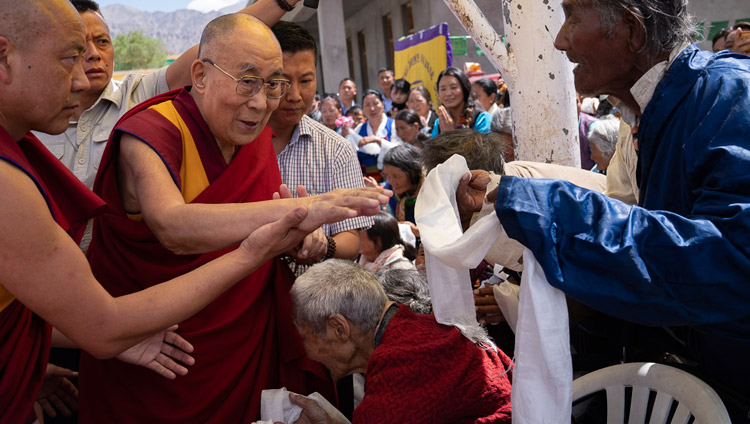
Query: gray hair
{"points": [[408, 287], [666, 23], [502, 121], [603, 134], [481, 151], [337, 286]]}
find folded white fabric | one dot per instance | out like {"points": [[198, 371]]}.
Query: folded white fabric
{"points": [[449, 253], [543, 374], [542, 386], [506, 296], [275, 406]]}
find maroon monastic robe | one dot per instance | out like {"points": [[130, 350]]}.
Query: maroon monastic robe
{"points": [[244, 340], [24, 336]]}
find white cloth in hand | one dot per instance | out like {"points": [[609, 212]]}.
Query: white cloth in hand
{"points": [[275, 406], [542, 377]]}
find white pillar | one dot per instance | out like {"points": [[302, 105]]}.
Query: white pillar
{"points": [[540, 78], [334, 58]]}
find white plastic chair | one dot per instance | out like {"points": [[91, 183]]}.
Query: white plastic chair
{"points": [[692, 396]]}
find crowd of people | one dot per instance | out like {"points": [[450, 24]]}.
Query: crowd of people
{"points": [[217, 227]]}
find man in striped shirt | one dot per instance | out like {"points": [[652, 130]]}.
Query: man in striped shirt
{"points": [[309, 154]]}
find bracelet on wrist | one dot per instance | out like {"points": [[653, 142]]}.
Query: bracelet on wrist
{"points": [[331, 248]]}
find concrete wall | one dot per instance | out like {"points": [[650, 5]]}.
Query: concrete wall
{"points": [[366, 16], [711, 11]]}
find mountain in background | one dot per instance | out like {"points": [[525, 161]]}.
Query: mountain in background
{"points": [[178, 30]]}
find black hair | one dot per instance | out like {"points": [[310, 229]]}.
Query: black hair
{"points": [[408, 159], [86, 6], [605, 107], [293, 38], [345, 80], [381, 70], [411, 117], [488, 86], [385, 230], [372, 92], [721, 34], [506, 98], [354, 109], [401, 85], [463, 80]]}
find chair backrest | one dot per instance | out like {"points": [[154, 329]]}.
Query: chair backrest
{"points": [[672, 389]]}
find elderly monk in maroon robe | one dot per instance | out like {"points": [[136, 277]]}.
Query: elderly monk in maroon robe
{"points": [[44, 277], [187, 176]]}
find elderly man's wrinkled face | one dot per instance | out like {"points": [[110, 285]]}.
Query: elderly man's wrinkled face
{"points": [[329, 351], [237, 119], [603, 63]]}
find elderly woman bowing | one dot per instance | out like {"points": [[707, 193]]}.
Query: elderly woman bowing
{"points": [[417, 370]]}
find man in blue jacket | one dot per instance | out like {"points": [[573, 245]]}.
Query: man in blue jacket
{"points": [[681, 257]]}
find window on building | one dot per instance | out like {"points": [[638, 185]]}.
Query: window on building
{"points": [[407, 19], [350, 55], [364, 78], [388, 33]]}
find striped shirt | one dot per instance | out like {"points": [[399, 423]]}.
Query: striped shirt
{"points": [[321, 160]]}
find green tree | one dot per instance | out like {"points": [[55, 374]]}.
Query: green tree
{"points": [[135, 50]]}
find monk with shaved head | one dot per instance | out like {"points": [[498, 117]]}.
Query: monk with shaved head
{"points": [[45, 280], [187, 176]]}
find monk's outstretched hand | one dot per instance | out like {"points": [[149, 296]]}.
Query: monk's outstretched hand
{"points": [[278, 236], [341, 204], [160, 353]]}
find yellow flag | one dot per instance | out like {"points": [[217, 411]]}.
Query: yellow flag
{"points": [[419, 58]]}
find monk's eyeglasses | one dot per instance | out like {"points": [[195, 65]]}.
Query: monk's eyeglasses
{"points": [[248, 85]]}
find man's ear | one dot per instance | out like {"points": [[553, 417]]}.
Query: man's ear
{"points": [[338, 327], [636, 30], [198, 75], [6, 48]]}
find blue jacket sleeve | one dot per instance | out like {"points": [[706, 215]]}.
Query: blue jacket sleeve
{"points": [[650, 267], [684, 257], [436, 128]]}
